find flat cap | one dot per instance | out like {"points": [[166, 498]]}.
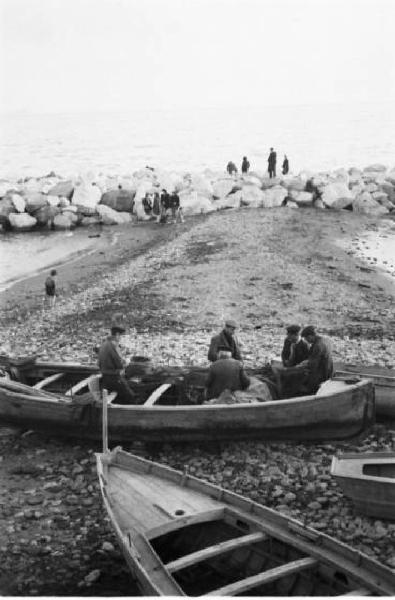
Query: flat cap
{"points": [[230, 323], [309, 330], [293, 328]]}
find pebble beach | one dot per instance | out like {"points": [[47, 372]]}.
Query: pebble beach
{"points": [[175, 284]]}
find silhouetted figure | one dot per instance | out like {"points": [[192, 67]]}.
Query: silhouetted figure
{"points": [[231, 168], [245, 165], [285, 165], [272, 160]]}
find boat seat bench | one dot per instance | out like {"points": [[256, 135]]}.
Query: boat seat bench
{"points": [[266, 577], [210, 551], [44, 382]]}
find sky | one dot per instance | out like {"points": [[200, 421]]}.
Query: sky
{"points": [[83, 55]]}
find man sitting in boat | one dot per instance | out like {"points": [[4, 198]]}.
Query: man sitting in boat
{"points": [[112, 367], [226, 373], [319, 364], [226, 339], [295, 349]]}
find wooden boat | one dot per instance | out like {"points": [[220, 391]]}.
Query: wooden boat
{"points": [[369, 480], [383, 379], [182, 536], [65, 399]]}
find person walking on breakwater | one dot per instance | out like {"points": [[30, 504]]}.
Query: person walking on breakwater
{"points": [[164, 206], [112, 367], [231, 168], [285, 165], [272, 160], [226, 373], [50, 289], [156, 206], [176, 211], [245, 165], [225, 339]]}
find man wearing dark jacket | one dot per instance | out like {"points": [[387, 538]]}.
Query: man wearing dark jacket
{"points": [[272, 160], [225, 339], [295, 349], [112, 367], [225, 373], [319, 363]]}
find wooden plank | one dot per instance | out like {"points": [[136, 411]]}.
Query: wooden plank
{"points": [[296, 566], [201, 517], [78, 386], [200, 555], [156, 394], [47, 381]]}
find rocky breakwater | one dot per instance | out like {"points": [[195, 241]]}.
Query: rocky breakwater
{"points": [[53, 202]]}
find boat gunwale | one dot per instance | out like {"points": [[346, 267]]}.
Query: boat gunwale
{"points": [[337, 473]]}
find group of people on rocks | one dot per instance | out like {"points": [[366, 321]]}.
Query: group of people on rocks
{"points": [[306, 363], [271, 165], [162, 206]]}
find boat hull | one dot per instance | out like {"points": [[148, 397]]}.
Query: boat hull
{"points": [[338, 416], [371, 495], [168, 524]]}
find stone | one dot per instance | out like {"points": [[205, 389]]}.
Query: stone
{"points": [[62, 222], [341, 203], [92, 576], [200, 184], [251, 195], [303, 198], [231, 201], [18, 202], [5, 186], [334, 191], [193, 203], [22, 221], [71, 215], [315, 505], [119, 200], [34, 500], [223, 188], [274, 196], [35, 201], [375, 168], [87, 195], [93, 220], [63, 188], [112, 217], [107, 547], [294, 183], [6, 208], [365, 204], [46, 215]]}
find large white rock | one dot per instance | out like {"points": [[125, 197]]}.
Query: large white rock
{"points": [[340, 203], [112, 217], [86, 195], [294, 183], [223, 187], [274, 197], [63, 188], [252, 179], [251, 195], [71, 215], [391, 176], [268, 182], [365, 204], [230, 201], [355, 175], [46, 214], [303, 198], [55, 200], [201, 185], [5, 186], [193, 203], [334, 191], [35, 201], [22, 221], [18, 202], [63, 222]]}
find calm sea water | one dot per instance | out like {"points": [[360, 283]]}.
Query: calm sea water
{"points": [[313, 137]]}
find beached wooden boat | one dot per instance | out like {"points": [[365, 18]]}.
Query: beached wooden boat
{"points": [[383, 379], [183, 536], [67, 401], [369, 480]]}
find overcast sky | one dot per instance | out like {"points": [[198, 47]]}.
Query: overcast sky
{"points": [[62, 55]]}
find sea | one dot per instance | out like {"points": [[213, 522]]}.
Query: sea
{"points": [[315, 138]]}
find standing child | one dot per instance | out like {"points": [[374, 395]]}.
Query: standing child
{"points": [[50, 289]]}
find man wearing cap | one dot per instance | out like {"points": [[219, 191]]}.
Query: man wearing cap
{"points": [[225, 373], [295, 349], [112, 367], [225, 339], [319, 363]]}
